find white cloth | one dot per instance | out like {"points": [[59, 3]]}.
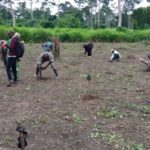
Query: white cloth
{"points": [[113, 54]]}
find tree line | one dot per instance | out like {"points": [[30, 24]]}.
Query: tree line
{"points": [[85, 14]]}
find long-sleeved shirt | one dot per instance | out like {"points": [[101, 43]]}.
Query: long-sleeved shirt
{"points": [[114, 53], [12, 46]]}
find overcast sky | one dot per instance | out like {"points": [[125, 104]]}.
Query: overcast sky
{"points": [[144, 3]]}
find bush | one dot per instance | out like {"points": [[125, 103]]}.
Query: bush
{"points": [[48, 24], [78, 35], [121, 29]]}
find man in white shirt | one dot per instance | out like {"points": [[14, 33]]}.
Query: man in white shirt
{"points": [[114, 56]]}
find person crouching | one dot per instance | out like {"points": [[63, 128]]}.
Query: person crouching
{"points": [[115, 56]]}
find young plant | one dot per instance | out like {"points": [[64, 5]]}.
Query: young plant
{"points": [[96, 132], [108, 112]]}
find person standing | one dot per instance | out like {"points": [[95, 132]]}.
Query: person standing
{"points": [[11, 60]]}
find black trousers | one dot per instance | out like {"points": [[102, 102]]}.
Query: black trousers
{"points": [[11, 68], [116, 57], [88, 52]]}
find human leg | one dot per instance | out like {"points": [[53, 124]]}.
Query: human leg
{"points": [[55, 71], [116, 57], [8, 68], [14, 69], [17, 69], [89, 52]]}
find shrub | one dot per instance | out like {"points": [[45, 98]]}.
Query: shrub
{"points": [[48, 24], [78, 34]]}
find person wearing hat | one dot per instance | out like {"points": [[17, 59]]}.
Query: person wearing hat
{"points": [[115, 56], [11, 64]]}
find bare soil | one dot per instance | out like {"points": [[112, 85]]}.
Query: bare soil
{"points": [[111, 112]]}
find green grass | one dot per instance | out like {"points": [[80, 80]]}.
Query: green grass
{"points": [[142, 108], [78, 35], [108, 112], [96, 132]]}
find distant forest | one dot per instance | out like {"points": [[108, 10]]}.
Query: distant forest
{"points": [[85, 14]]}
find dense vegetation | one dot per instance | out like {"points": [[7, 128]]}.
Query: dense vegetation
{"points": [[79, 35], [88, 20], [93, 14]]}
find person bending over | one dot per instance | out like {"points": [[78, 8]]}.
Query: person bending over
{"points": [[115, 56], [45, 57], [88, 49]]}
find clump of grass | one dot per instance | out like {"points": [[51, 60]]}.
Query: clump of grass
{"points": [[120, 143], [9, 141], [109, 112], [37, 122], [96, 131], [77, 118], [138, 147], [142, 108]]}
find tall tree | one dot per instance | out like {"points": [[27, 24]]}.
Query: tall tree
{"points": [[129, 6], [87, 7], [119, 14], [46, 6], [103, 6], [81, 3], [125, 4], [8, 5], [92, 8], [140, 18]]}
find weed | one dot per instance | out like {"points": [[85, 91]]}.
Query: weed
{"points": [[108, 112], [119, 143], [138, 147], [38, 123], [96, 131], [142, 108], [114, 138], [9, 141], [77, 119]]}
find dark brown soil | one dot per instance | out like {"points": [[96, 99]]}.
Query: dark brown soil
{"points": [[68, 113]]}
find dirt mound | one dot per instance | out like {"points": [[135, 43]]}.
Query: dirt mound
{"points": [[89, 97], [131, 57]]}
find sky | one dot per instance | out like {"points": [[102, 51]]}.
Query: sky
{"points": [[144, 3]]}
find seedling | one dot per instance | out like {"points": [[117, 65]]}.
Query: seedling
{"points": [[96, 131], [108, 112], [77, 118]]}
